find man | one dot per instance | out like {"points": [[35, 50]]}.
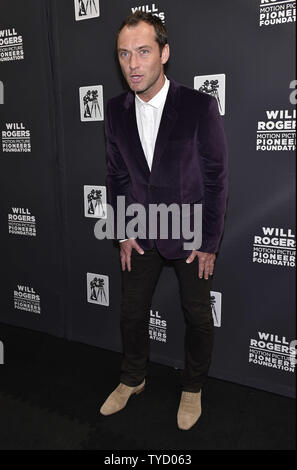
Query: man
{"points": [[165, 144]]}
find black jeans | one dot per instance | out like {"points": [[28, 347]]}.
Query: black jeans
{"points": [[137, 290]]}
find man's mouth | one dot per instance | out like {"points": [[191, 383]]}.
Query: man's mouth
{"points": [[135, 78]]}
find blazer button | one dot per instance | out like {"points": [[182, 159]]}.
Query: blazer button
{"points": [[152, 187]]}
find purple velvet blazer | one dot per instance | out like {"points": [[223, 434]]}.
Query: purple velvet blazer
{"points": [[189, 163]]}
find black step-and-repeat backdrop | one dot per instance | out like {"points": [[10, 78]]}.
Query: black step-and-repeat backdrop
{"points": [[57, 71]]}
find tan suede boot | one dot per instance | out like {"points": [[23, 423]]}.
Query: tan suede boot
{"points": [[189, 410], [117, 400]]}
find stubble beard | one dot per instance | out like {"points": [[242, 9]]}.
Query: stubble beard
{"points": [[140, 92]]}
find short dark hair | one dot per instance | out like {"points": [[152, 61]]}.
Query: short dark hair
{"points": [[134, 18]]}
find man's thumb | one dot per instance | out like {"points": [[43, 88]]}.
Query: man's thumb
{"points": [[190, 258], [138, 249]]}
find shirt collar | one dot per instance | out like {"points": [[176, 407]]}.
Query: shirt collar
{"points": [[159, 98]]}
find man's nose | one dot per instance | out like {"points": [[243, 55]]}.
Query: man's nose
{"points": [[133, 61]]}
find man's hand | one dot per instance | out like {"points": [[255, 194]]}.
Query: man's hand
{"points": [[126, 250], [205, 261]]}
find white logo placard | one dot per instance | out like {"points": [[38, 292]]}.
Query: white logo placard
{"points": [[214, 85], [86, 9], [95, 201], [216, 307], [98, 289], [91, 103]]}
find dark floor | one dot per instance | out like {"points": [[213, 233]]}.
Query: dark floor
{"points": [[51, 390]]}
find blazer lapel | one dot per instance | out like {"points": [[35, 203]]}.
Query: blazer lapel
{"points": [[168, 120]]}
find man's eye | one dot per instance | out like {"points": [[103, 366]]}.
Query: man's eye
{"points": [[123, 54], [144, 51]]}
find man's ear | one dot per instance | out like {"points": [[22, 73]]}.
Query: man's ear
{"points": [[165, 54]]}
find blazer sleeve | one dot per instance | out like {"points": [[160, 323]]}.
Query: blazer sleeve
{"points": [[118, 179], [213, 150]]}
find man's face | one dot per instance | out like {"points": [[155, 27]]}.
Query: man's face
{"points": [[139, 57]]}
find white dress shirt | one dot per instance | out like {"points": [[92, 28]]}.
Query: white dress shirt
{"points": [[148, 117]]}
